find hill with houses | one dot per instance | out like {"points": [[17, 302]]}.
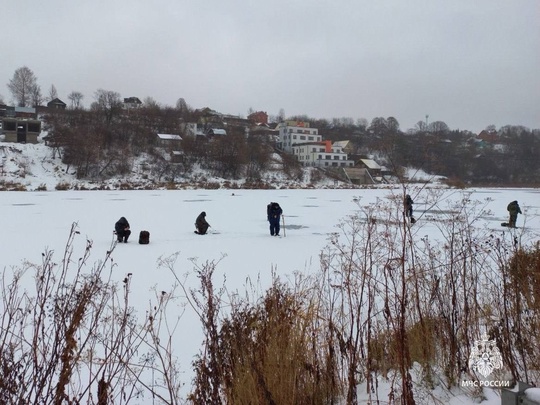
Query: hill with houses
{"points": [[128, 144]]}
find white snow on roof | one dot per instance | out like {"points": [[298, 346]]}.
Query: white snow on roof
{"points": [[340, 144], [170, 136], [371, 164]]}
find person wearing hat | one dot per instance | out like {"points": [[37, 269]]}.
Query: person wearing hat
{"points": [[201, 224], [514, 210]]}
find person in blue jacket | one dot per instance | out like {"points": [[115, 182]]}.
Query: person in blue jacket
{"points": [[274, 211]]}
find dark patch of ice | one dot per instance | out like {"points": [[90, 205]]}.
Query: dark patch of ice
{"points": [[295, 226]]}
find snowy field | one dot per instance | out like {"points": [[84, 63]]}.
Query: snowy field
{"points": [[34, 221]]}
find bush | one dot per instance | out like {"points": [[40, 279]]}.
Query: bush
{"points": [[74, 321], [63, 186]]}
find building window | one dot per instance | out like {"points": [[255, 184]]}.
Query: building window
{"points": [[302, 137], [314, 149], [334, 164], [34, 127], [336, 157], [310, 138], [328, 157], [320, 157], [294, 137]]}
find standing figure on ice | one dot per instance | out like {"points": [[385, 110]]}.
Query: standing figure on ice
{"points": [[201, 224], [514, 210], [121, 228], [274, 211], [407, 204]]}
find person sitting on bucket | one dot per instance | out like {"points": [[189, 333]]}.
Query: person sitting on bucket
{"points": [[201, 224], [274, 211]]}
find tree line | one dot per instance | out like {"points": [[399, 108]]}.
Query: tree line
{"points": [[508, 159], [103, 140]]}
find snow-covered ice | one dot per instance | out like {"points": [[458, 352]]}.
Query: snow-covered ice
{"points": [[34, 221]]}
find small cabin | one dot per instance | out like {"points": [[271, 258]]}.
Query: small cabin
{"points": [[21, 130]]}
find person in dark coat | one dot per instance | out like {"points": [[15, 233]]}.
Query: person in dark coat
{"points": [[201, 224], [121, 229], [514, 210], [274, 211], [407, 204]]}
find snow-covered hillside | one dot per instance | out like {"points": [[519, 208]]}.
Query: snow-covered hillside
{"points": [[37, 167]]}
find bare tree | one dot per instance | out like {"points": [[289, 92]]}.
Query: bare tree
{"points": [[52, 93], [150, 102], [76, 99], [22, 86], [362, 123], [108, 103], [183, 108], [281, 115], [439, 128], [36, 96], [393, 125], [421, 126], [379, 126]]}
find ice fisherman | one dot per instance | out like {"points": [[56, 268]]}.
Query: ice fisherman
{"points": [[514, 210], [201, 224], [407, 204], [121, 228], [274, 211]]}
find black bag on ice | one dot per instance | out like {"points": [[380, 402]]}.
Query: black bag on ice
{"points": [[144, 238]]}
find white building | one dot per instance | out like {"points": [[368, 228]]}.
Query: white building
{"points": [[296, 132], [321, 154], [169, 139]]}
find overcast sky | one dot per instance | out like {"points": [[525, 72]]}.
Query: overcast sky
{"points": [[469, 63]]}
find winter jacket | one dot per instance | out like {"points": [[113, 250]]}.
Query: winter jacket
{"points": [[513, 208], [201, 224], [408, 202], [121, 225], [273, 211]]}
